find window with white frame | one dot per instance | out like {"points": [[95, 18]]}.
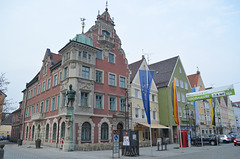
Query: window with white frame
{"points": [[136, 93], [65, 73], [84, 99], [53, 103], [178, 96], [181, 84], [99, 76], [122, 104], [55, 80], [39, 87], [34, 91], [122, 82], [183, 97], [33, 109], [46, 105], [41, 107], [180, 70], [112, 79], [48, 83], [85, 72], [99, 101], [112, 103], [36, 110], [136, 112], [153, 97], [43, 86], [58, 101], [186, 86], [111, 58], [104, 131], [154, 115]]}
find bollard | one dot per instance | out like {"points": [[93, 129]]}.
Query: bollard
{"points": [[1, 151]]}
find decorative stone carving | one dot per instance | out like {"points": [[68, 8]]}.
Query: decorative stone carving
{"points": [[73, 65], [85, 86]]}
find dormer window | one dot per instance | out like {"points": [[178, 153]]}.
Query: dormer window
{"points": [[104, 32]]}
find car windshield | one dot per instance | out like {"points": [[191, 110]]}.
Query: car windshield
{"points": [[238, 137]]}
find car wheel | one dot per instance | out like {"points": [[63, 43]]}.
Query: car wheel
{"points": [[212, 143], [235, 144]]}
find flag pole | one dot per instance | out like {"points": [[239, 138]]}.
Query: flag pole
{"points": [[180, 136], [151, 139]]}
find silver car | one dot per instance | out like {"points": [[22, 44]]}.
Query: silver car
{"points": [[224, 138]]}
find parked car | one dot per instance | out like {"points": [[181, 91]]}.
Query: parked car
{"points": [[224, 138], [237, 140], [211, 139]]}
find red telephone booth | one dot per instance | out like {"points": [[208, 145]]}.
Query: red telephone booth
{"points": [[184, 138]]}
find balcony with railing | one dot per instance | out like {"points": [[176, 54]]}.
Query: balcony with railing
{"points": [[106, 40], [38, 116]]}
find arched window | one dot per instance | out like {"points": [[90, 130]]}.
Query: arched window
{"points": [[104, 131], [86, 132], [33, 127], [54, 131], [63, 130], [47, 131], [105, 32], [27, 132]]}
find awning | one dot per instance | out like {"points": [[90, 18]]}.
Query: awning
{"points": [[153, 125]]}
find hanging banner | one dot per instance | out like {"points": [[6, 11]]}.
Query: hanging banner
{"points": [[212, 106], [145, 83], [174, 101], [211, 93], [196, 107]]}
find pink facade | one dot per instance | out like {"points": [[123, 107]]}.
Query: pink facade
{"points": [[99, 103]]}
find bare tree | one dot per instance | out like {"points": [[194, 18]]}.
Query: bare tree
{"points": [[3, 83], [7, 103]]}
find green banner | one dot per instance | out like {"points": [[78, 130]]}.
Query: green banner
{"points": [[211, 93]]}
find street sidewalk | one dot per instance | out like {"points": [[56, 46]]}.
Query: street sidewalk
{"points": [[145, 152]]}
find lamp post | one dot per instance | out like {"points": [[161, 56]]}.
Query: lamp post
{"points": [[187, 116], [126, 112]]}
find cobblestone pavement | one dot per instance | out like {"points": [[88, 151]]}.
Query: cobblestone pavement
{"points": [[13, 151]]}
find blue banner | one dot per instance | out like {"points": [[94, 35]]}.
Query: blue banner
{"points": [[196, 107], [145, 83]]}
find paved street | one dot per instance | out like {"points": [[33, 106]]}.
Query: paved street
{"points": [[224, 151]]}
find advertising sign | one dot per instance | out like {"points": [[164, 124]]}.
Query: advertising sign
{"points": [[211, 93], [126, 141]]}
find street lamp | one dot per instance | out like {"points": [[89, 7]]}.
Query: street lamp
{"points": [[187, 115], [126, 112]]}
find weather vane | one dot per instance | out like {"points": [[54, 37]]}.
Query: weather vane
{"points": [[106, 5], [83, 24]]}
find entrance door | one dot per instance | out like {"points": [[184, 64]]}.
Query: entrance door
{"points": [[120, 128]]}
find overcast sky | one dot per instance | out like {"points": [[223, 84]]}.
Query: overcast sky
{"points": [[204, 33]]}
